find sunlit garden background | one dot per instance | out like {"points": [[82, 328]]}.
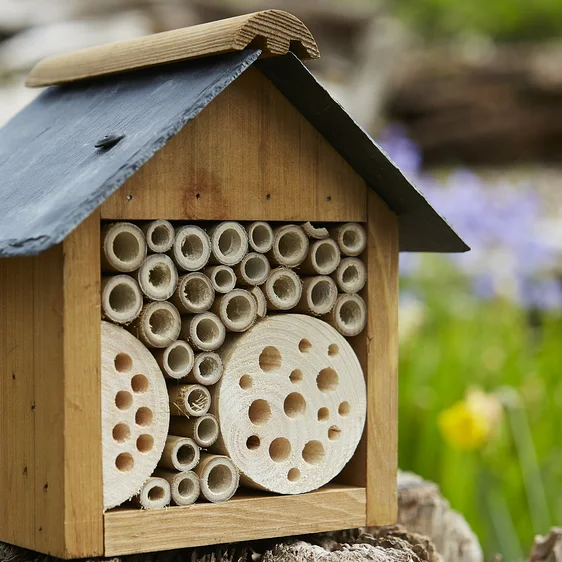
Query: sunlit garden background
{"points": [[466, 97]]}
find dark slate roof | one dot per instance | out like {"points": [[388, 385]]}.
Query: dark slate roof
{"points": [[52, 176]]}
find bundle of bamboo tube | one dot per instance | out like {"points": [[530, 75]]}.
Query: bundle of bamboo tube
{"points": [[180, 289]]}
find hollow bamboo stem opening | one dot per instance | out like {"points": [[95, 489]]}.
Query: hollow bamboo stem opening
{"points": [[252, 270], [290, 246], [185, 487], [283, 289], [237, 310], [123, 247], [158, 325], [205, 331], [180, 453], [229, 243], [318, 296], [189, 400], [260, 236], [222, 278], [121, 299], [159, 236], [219, 477], [351, 238], [154, 494], [176, 360], [349, 315], [194, 293], [158, 277], [207, 368], [204, 430], [191, 249], [351, 275]]}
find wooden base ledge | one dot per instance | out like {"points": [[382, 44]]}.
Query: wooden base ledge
{"points": [[243, 518]]}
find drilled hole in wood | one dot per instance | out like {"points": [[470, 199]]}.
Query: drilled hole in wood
{"points": [[253, 442], [143, 416], [323, 414], [333, 350], [123, 363], [156, 493], [313, 452], [327, 380], [270, 359], [334, 433], [294, 405], [123, 400], [294, 475], [280, 449], [121, 432], [145, 443], [305, 346], [259, 412], [124, 462], [296, 376], [126, 247], [245, 382], [139, 383], [344, 409]]}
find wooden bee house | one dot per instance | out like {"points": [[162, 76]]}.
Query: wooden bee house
{"points": [[220, 133]]}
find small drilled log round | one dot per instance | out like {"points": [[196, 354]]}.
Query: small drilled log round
{"points": [[194, 293], [218, 476], [176, 360], [157, 277], [319, 295], [229, 243], [222, 278], [180, 453], [158, 325], [155, 494], [318, 233], [191, 249], [135, 414], [283, 289], [351, 275], [237, 310], [159, 235], [350, 237], [349, 315], [190, 400], [252, 270], [261, 301], [121, 299], [184, 486], [323, 258], [204, 430], [260, 236], [123, 247], [290, 246], [204, 331], [291, 404], [207, 368]]}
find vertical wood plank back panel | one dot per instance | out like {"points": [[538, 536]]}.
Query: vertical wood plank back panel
{"points": [[83, 493], [249, 155]]}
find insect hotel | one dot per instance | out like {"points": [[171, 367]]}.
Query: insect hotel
{"points": [[198, 298]]}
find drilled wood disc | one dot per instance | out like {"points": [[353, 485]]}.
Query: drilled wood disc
{"points": [[291, 403]]}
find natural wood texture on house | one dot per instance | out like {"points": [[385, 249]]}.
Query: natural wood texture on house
{"points": [[249, 155], [274, 31], [244, 517], [50, 499]]}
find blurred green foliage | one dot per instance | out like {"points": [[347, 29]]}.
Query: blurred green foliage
{"points": [[506, 20], [452, 341]]}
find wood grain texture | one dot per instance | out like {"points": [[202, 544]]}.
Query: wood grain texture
{"points": [[249, 155], [244, 517], [273, 31]]}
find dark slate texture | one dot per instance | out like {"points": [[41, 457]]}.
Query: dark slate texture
{"points": [[52, 175]]}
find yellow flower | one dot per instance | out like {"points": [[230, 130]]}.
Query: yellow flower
{"points": [[463, 426]]}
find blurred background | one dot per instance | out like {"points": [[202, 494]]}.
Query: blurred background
{"points": [[466, 97]]}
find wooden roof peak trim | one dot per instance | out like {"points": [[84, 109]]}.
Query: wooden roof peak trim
{"points": [[275, 32]]}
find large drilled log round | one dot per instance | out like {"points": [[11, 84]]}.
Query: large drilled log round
{"points": [[291, 403]]}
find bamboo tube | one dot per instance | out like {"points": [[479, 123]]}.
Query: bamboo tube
{"points": [[207, 368], [121, 299], [318, 233], [184, 486], [154, 494], [318, 296], [203, 430], [260, 236], [349, 315], [189, 400], [252, 270], [222, 278], [261, 309], [191, 249], [158, 325], [219, 477], [204, 331], [351, 275], [123, 247], [237, 310], [323, 258], [176, 360], [283, 289], [180, 453], [157, 277], [290, 246], [229, 243], [194, 293], [159, 236], [350, 237]]}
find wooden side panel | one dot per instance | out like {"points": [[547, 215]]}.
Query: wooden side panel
{"points": [[250, 155], [382, 341], [131, 531], [83, 493]]}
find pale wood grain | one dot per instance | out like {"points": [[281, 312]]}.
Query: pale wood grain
{"points": [[274, 31], [244, 517], [249, 155]]}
